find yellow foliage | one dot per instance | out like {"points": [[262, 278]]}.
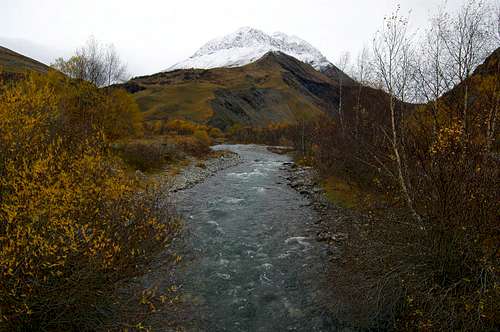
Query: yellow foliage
{"points": [[448, 139], [71, 222], [191, 145], [202, 136], [122, 116], [84, 108], [215, 133], [179, 127]]}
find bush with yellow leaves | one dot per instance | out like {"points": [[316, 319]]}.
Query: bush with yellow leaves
{"points": [[72, 225]]}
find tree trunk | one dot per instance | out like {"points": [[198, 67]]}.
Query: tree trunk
{"points": [[340, 107], [399, 164], [490, 136]]}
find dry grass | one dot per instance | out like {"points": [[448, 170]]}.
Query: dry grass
{"points": [[190, 101], [340, 192], [157, 153]]}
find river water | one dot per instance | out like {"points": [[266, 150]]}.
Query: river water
{"points": [[253, 263]]}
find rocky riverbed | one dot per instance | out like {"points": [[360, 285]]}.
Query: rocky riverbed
{"points": [[344, 231], [198, 171], [304, 180]]}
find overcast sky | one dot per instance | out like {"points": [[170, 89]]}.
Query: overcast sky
{"points": [[151, 35]]}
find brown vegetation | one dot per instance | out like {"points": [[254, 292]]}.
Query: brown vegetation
{"points": [[153, 154], [436, 267]]}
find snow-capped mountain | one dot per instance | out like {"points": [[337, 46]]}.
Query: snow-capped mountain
{"points": [[247, 45]]}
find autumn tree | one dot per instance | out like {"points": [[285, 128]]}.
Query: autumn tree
{"points": [[95, 63], [392, 51]]}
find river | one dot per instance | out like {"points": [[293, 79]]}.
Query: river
{"points": [[253, 261]]}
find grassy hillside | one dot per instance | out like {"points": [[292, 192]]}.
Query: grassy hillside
{"points": [[189, 100], [12, 62], [275, 89]]}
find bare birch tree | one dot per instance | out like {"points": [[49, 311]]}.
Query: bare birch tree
{"points": [[392, 51], [114, 70], [361, 68], [95, 63], [468, 38], [342, 64], [431, 80], [361, 73]]}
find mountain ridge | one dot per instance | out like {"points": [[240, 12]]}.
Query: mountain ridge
{"points": [[247, 45], [276, 88]]}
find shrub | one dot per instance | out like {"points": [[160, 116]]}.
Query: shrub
{"points": [[190, 145], [215, 133], [181, 127], [83, 108], [148, 155], [203, 137], [122, 117], [72, 225], [273, 134], [457, 182]]}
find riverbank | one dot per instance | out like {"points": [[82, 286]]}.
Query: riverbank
{"points": [[305, 181], [190, 172], [342, 230], [199, 170]]}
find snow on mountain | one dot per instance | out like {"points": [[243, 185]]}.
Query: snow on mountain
{"points": [[247, 45]]}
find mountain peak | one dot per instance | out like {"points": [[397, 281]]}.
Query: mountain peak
{"points": [[248, 30], [247, 45]]}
